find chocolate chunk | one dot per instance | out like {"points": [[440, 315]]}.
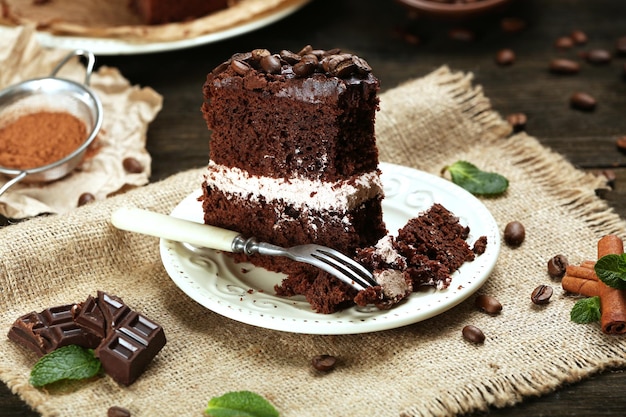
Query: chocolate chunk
{"points": [[113, 309], [51, 329], [89, 316], [128, 350]]}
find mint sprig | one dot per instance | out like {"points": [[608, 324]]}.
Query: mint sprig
{"points": [[611, 269], [240, 404], [67, 362], [586, 310], [476, 181]]}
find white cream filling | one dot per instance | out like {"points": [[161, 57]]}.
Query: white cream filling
{"points": [[300, 192]]}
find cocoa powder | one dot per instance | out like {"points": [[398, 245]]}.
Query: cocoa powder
{"points": [[41, 138]]}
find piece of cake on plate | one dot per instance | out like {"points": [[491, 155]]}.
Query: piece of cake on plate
{"points": [[293, 160]]}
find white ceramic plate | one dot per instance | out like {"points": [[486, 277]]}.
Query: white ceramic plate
{"points": [[245, 293], [111, 46]]}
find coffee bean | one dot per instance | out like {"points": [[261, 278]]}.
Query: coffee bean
{"points": [[610, 177], [324, 363], [598, 56], [304, 68], [488, 304], [473, 334], [620, 46], [514, 233], [86, 198], [461, 35], [579, 37], [240, 67], [517, 121], [621, 143], [271, 64], [541, 294], [557, 265], [116, 411], [132, 165], [290, 57], [564, 66], [505, 57], [340, 65], [564, 42], [257, 54], [582, 101]]}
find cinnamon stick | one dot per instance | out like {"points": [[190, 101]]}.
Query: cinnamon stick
{"points": [[612, 300], [583, 280]]}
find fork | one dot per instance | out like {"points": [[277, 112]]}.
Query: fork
{"points": [[198, 234]]}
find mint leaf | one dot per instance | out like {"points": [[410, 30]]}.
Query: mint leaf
{"points": [[67, 362], [476, 181], [240, 404], [611, 269], [586, 310]]}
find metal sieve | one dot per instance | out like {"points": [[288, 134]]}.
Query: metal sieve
{"points": [[52, 94]]}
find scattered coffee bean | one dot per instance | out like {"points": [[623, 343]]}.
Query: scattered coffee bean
{"points": [[620, 46], [116, 411], [505, 57], [85, 198], [324, 363], [461, 35], [598, 56], [564, 42], [517, 121], [473, 334], [621, 143], [541, 295], [132, 165], [582, 101], [488, 304], [564, 66], [514, 233], [557, 266], [512, 24], [579, 37]]}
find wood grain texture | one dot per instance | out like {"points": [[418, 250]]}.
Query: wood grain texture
{"points": [[377, 30]]}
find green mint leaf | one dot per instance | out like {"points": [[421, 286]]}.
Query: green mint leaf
{"points": [[611, 269], [240, 404], [67, 362], [476, 181], [586, 310]]}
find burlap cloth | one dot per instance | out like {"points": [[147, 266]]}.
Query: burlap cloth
{"points": [[425, 369]]}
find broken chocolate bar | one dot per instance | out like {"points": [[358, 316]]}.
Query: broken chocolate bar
{"points": [[51, 329], [124, 340]]}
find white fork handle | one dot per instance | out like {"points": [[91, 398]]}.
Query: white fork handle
{"points": [[172, 228]]}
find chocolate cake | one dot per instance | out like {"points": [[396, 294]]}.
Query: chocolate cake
{"points": [[154, 12], [293, 156], [293, 160]]}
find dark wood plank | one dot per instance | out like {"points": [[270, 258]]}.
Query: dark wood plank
{"points": [[178, 139]]}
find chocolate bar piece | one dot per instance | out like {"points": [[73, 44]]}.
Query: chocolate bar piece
{"points": [[128, 350], [124, 340], [51, 329]]}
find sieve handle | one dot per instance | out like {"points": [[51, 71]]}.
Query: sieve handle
{"points": [[91, 62], [13, 181]]}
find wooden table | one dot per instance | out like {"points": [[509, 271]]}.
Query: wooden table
{"points": [[383, 33]]}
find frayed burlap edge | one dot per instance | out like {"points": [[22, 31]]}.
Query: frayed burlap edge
{"points": [[573, 189]]}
